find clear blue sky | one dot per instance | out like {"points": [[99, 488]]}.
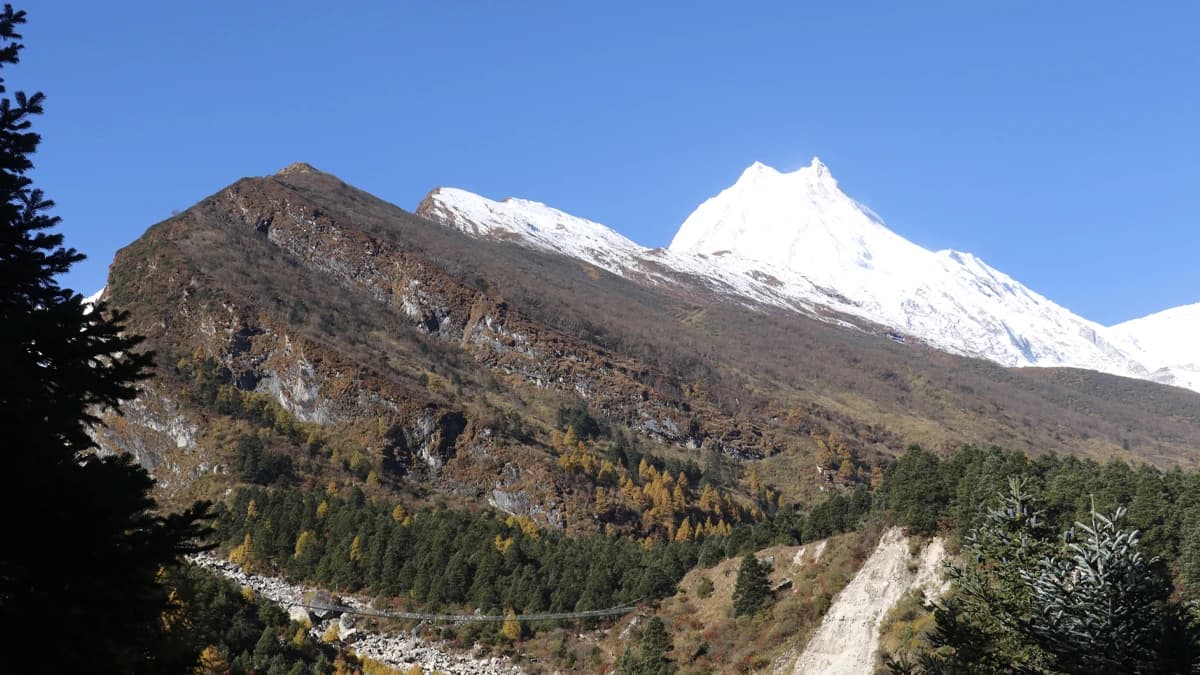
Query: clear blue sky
{"points": [[1059, 141]]}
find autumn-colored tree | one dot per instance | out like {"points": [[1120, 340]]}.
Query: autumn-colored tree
{"points": [[753, 482], [511, 629], [602, 503], [846, 472], [569, 439], [679, 498], [608, 473], [685, 532], [710, 501], [825, 454], [211, 662], [646, 470], [304, 543], [501, 544], [243, 554]]}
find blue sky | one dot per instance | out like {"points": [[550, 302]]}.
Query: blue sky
{"points": [[1058, 141]]}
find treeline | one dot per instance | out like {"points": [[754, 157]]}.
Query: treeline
{"points": [[456, 558], [927, 493], [632, 492], [442, 558]]}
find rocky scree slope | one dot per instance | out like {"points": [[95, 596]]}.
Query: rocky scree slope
{"points": [[395, 650]]}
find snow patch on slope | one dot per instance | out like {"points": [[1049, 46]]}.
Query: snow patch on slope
{"points": [[90, 301], [533, 223]]}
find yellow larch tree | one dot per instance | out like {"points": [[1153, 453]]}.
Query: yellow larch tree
{"points": [[304, 542], [684, 533], [511, 630]]}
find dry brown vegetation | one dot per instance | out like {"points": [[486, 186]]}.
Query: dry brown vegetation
{"points": [[707, 636]]}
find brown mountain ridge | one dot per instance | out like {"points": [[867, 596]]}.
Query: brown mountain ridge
{"points": [[389, 350]]}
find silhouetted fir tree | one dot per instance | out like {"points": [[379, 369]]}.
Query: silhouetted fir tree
{"points": [[82, 546], [752, 589]]}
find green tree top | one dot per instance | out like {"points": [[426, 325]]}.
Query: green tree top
{"points": [[752, 588]]}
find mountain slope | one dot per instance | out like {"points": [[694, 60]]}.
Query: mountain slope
{"points": [[369, 364], [534, 223], [796, 241], [365, 342]]}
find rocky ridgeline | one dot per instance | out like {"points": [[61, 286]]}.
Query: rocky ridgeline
{"points": [[400, 651]]}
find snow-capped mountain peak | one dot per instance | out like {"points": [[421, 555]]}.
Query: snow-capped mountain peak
{"points": [[800, 220], [819, 173], [803, 222], [1168, 342]]}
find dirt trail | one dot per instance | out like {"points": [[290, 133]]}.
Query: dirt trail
{"points": [[848, 637]]}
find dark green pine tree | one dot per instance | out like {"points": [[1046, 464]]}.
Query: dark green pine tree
{"points": [[82, 545], [655, 645], [651, 658], [752, 589]]}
